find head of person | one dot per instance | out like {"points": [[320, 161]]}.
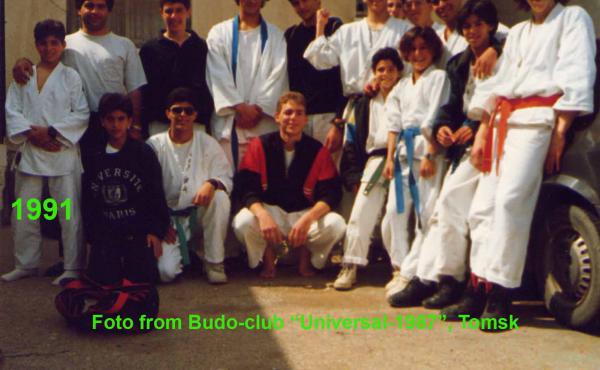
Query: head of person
{"points": [[478, 21], [387, 68], [182, 110], [539, 6], [378, 7], [291, 114], [175, 14], [116, 115], [250, 7], [306, 9], [447, 10], [421, 47], [394, 8], [94, 13], [418, 12], [49, 38]]}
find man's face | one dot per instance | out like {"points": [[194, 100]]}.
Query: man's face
{"points": [[418, 12], [394, 8], [181, 116], [94, 14], [306, 9], [447, 10], [376, 6], [541, 6], [50, 49], [251, 7], [116, 124], [175, 16], [291, 119]]}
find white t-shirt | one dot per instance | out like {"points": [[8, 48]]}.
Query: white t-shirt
{"points": [[378, 129], [289, 157], [108, 63]]}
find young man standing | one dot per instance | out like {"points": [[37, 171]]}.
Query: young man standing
{"points": [[418, 12], [177, 58], [247, 72], [394, 8], [289, 185], [197, 179], [322, 89]]}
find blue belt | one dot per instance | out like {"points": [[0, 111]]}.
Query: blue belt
{"points": [[409, 136]]}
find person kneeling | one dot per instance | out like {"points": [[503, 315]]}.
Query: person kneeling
{"points": [[288, 184], [197, 178]]}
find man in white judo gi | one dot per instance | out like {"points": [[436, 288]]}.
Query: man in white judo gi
{"points": [[246, 72], [47, 117], [197, 179]]}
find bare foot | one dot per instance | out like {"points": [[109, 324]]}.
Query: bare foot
{"points": [[304, 266], [268, 273]]}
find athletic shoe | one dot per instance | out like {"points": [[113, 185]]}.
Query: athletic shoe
{"points": [[215, 273], [497, 308], [471, 304], [346, 279], [414, 293], [397, 284], [449, 292]]}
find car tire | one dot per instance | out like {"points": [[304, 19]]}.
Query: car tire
{"points": [[568, 266]]}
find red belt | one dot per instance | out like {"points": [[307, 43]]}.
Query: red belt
{"points": [[505, 107]]}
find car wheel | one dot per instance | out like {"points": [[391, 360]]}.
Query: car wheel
{"points": [[568, 266]]}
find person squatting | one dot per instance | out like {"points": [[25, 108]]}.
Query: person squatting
{"points": [[451, 123]]}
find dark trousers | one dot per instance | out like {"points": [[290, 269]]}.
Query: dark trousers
{"points": [[115, 258]]}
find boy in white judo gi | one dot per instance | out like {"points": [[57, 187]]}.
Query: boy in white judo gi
{"points": [[246, 73], [362, 163], [415, 173], [197, 179], [47, 116], [544, 81]]}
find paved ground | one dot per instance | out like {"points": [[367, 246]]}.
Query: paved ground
{"points": [[33, 335]]}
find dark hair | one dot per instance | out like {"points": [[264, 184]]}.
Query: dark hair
{"points": [[109, 4], [390, 54], [483, 9], [182, 95], [49, 27], [525, 6], [290, 96], [185, 3], [428, 35], [263, 2], [114, 101]]}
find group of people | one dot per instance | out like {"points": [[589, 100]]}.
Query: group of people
{"points": [[450, 124]]}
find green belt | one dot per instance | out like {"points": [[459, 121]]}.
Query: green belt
{"points": [[375, 177], [190, 214]]}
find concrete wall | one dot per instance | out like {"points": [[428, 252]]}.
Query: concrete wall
{"points": [[207, 13]]}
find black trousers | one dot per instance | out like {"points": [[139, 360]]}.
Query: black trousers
{"points": [[127, 256]]}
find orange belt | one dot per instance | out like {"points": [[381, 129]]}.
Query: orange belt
{"points": [[505, 107]]}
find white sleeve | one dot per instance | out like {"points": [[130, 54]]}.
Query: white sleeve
{"points": [[324, 52], [220, 168], [277, 81], [501, 32], [219, 75], [393, 113], [575, 71], [16, 123], [437, 95], [75, 124], [135, 77]]}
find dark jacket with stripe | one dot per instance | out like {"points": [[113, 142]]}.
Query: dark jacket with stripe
{"points": [[311, 177]]}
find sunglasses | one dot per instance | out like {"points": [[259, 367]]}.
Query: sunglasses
{"points": [[188, 111]]}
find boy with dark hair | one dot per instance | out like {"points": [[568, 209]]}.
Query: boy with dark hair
{"points": [[124, 208], [289, 185], [177, 58], [47, 117], [197, 179]]}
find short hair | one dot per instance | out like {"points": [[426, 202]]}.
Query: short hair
{"points": [[525, 6], [185, 3], [182, 95], [109, 4], [261, 5], [49, 27], [390, 54], [428, 35], [111, 102], [483, 9], [291, 96]]}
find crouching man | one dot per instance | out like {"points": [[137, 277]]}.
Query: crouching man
{"points": [[288, 184], [197, 178]]}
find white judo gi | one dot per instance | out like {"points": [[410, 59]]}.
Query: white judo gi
{"points": [[204, 161], [554, 57], [61, 103], [413, 105], [260, 78]]}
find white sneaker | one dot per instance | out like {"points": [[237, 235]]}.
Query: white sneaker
{"points": [[397, 284], [346, 279], [215, 273], [18, 273], [66, 276], [395, 275]]}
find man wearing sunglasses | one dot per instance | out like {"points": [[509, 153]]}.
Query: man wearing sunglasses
{"points": [[197, 179]]}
